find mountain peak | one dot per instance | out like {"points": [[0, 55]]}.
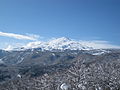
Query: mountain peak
{"points": [[64, 38], [60, 40]]}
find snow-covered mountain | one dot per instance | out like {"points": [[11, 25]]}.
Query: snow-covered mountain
{"points": [[62, 43], [59, 43]]}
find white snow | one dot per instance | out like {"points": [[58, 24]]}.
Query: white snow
{"points": [[59, 43], [64, 86], [19, 76], [1, 61], [64, 43], [82, 87], [20, 60], [99, 53], [53, 54]]}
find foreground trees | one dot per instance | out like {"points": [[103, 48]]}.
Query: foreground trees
{"points": [[86, 72]]}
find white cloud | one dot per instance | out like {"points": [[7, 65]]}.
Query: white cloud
{"points": [[99, 44], [11, 46], [19, 36], [35, 36]]}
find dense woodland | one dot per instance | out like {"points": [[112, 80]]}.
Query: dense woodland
{"points": [[64, 70]]}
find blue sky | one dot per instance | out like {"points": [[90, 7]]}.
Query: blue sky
{"points": [[76, 19]]}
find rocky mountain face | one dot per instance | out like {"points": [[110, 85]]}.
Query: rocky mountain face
{"points": [[35, 69]]}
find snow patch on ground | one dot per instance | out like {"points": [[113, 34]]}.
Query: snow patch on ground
{"points": [[1, 61]]}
